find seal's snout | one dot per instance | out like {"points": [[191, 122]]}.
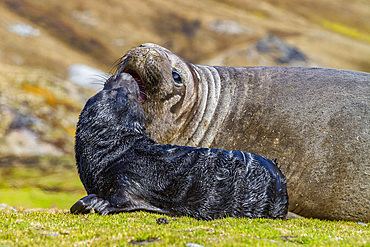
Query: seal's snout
{"points": [[144, 64]]}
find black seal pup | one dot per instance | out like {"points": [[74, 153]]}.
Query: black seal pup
{"points": [[123, 169]]}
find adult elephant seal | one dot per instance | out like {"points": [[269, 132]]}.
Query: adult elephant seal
{"points": [[315, 121], [123, 170]]}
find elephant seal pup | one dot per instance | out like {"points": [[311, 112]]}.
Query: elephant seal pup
{"points": [[314, 121], [123, 170]]}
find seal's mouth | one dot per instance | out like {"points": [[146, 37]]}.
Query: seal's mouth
{"points": [[143, 96], [123, 68]]}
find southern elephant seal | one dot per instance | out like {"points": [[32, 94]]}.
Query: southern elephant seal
{"points": [[315, 121], [123, 170]]}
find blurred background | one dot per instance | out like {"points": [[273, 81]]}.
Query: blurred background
{"points": [[55, 54]]}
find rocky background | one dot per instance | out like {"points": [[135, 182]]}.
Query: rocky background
{"points": [[56, 54]]}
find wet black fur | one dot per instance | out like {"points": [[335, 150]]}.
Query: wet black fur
{"points": [[123, 170]]}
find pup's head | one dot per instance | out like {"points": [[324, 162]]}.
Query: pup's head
{"points": [[113, 110], [108, 121]]}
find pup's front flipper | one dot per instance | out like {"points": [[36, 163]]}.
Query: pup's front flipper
{"points": [[93, 203]]}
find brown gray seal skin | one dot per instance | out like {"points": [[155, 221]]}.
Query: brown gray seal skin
{"points": [[315, 121], [123, 170]]}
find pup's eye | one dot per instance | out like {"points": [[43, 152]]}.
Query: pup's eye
{"points": [[176, 77]]}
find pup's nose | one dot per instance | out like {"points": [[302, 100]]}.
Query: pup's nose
{"points": [[125, 77], [120, 80]]}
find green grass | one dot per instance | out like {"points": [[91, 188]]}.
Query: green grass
{"points": [[39, 182], [60, 228], [27, 183], [37, 198]]}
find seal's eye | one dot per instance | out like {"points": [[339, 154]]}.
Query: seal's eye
{"points": [[176, 77]]}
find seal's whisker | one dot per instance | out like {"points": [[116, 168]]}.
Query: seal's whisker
{"points": [[117, 65], [144, 93], [144, 96], [96, 83], [103, 77], [99, 79]]}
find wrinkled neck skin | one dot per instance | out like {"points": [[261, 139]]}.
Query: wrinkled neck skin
{"points": [[183, 112], [209, 110]]}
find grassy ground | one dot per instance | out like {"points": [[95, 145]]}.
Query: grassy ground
{"points": [[52, 183], [39, 181], [60, 228]]}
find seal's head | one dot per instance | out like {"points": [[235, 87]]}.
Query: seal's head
{"points": [[168, 87], [118, 105]]}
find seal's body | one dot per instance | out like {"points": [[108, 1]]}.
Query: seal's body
{"points": [[122, 169], [314, 121]]}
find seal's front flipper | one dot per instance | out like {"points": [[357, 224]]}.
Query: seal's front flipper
{"points": [[94, 204], [91, 203]]}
